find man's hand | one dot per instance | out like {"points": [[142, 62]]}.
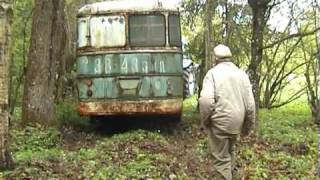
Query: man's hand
{"points": [[204, 124], [202, 129]]}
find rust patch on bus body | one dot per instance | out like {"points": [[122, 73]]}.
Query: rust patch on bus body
{"points": [[169, 106]]}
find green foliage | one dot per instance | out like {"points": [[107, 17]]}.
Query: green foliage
{"points": [[67, 114], [122, 155], [190, 112], [21, 31], [289, 124], [287, 149], [237, 36], [35, 138]]}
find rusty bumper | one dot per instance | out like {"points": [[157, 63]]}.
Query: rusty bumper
{"points": [[169, 106]]}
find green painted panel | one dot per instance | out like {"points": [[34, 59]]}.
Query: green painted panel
{"points": [[111, 90], [135, 63], [125, 70], [124, 64], [98, 88], [159, 86], [167, 63], [90, 65], [145, 88], [177, 86], [111, 64]]}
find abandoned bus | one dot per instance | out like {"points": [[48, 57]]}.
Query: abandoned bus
{"points": [[129, 59]]}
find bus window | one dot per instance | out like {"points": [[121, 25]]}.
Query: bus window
{"points": [[107, 31], [174, 30], [83, 32], [147, 30]]}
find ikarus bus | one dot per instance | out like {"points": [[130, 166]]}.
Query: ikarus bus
{"points": [[129, 59]]}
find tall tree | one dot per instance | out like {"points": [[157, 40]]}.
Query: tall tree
{"points": [[312, 72], [259, 11], [209, 39], [65, 79], [5, 36], [316, 114], [206, 63], [46, 49], [21, 31]]}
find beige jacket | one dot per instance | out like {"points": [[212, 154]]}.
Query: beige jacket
{"points": [[226, 99]]}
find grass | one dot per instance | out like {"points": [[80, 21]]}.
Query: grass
{"points": [[286, 149], [288, 145]]}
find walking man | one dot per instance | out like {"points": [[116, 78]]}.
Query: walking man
{"points": [[227, 109]]}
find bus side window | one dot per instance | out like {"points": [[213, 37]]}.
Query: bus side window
{"points": [[174, 30]]}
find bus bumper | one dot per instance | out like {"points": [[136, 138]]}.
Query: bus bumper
{"points": [[142, 107]]}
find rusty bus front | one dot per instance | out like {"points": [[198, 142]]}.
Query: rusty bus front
{"points": [[129, 59]]}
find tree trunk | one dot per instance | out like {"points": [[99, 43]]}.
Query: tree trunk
{"points": [[65, 63], [65, 82], [209, 35], [46, 49], [259, 9], [317, 114], [207, 62], [226, 23], [5, 37]]}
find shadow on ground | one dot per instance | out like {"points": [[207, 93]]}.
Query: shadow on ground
{"points": [[119, 124]]}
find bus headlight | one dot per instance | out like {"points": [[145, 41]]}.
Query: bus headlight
{"points": [[89, 93]]}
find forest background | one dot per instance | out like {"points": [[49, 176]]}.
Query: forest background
{"points": [[280, 52]]}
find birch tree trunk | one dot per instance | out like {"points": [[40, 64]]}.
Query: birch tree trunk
{"points": [[5, 37], [46, 49]]}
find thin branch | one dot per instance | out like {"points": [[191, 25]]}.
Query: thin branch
{"points": [[292, 36], [292, 98], [283, 77], [280, 78]]}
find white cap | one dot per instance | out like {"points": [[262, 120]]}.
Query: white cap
{"points": [[222, 51]]}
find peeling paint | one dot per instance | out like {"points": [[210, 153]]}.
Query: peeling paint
{"points": [[142, 107], [125, 62]]}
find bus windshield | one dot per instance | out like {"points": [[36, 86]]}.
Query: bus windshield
{"points": [[147, 30]]}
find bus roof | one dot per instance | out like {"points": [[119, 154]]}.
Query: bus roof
{"points": [[127, 5]]}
